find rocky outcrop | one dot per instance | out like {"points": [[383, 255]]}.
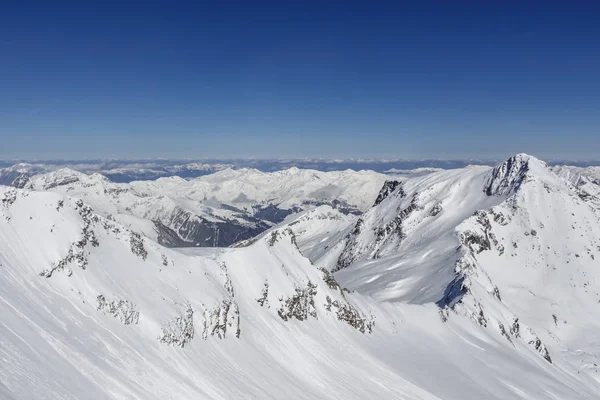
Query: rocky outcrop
{"points": [[77, 251], [61, 181], [8, 198], [388, 188], [339, 205], [137, 245], [278, 234], [123, 310], [464, 294], [507, 177], [22, 181], [264, 296], [180, 330], [435, 210], [343, 310], [301, 305], [225, 316], [356, 248], [221, 319], [350, 315]]}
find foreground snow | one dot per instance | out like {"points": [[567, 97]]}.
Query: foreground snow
{"points": [[93, 310]]}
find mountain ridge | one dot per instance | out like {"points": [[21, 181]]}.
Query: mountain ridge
{"points": [[494, 295]]}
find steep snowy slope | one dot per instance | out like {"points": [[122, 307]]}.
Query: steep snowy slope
{"points": [[514, 248], [319, 233], [587, 180], [216, 210], [93, 310]]}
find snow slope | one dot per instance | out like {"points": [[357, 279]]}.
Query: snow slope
{"points": [[93, 310], [585, 179], [513, 248]]}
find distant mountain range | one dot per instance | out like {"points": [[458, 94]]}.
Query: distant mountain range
{"points": [[123, 171]]}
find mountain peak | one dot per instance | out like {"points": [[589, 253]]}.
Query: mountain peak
{"points": [[507, 177]]}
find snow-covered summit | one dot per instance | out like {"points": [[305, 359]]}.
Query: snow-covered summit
{"points": [[507, 177], [479, 242]]}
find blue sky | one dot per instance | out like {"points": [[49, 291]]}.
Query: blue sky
{"points": [[452, 79]]}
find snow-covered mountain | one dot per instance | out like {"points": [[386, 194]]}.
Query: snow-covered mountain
{"points": [[585, 179], [19, 171], [475, 283], [514, 249], [215, 210], [129, 173], [121, 172]]}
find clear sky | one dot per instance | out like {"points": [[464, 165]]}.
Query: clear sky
{"points": [[449, 79]]}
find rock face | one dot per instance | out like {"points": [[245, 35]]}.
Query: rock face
{"points": [[301, 305], [184, 229], [388, 188], [507, 177], [123, 310], [180, 330], [22, 181], [464, 295], [370, 237], [77, 251]]}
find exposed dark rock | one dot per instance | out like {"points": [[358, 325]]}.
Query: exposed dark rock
{"points": [[541, 348], [301, 305], [336, 204], [388, 188], [137, 245], [9, 197], [22, 181], [515, 328], [453, 293], [185, 229], [76, 252], [329, 279], [264, 298], [62, 181], [220, 318], [435, 210], [226, 315], [123, 310], [503, 332], [475, 242], [393, 230], [347, 313], [180, 330], [271, 213], [507, 177], [273, 238]]}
